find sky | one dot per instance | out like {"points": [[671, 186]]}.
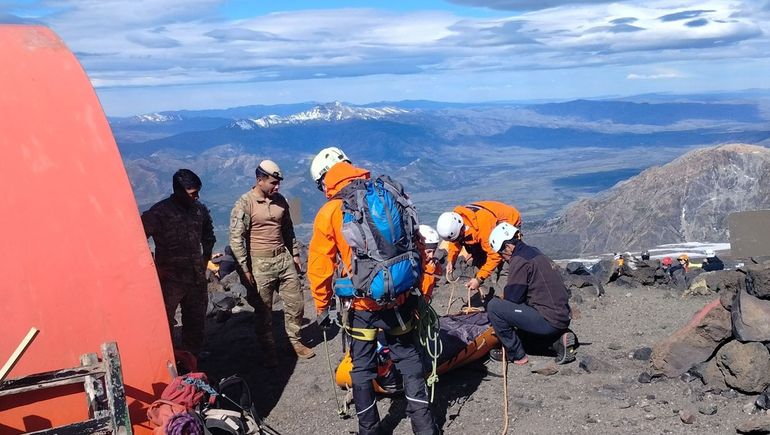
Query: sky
{"points": [[152, 55]]}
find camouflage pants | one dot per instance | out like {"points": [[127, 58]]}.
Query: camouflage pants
{"points": [[193, 297], [276, 275]]}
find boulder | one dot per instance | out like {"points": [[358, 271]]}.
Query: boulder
{"points": [[758, 280], [745, 366], [750, 318], [698, 286], [695, 342], [644, 275], [724, 280], [727, 297], [755, 425], [603, 270], [708, 372]]}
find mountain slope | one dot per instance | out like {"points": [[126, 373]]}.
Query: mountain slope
{"points": [[686, 200]]}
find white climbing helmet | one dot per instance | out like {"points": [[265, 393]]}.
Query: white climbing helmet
{"points": [[710, 253], [430, 236], [501, 234], [324, 160], [449, 225]]}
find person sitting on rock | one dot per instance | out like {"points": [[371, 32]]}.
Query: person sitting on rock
{"points": [[679, 272], [712, 262], [534, 300], [662, 275]]}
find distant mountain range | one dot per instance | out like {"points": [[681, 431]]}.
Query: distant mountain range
{"points": [[539, 157], [687, 200], [325, 113]]}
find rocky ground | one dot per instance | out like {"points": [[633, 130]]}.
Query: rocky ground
{"points": [[601, 392]]}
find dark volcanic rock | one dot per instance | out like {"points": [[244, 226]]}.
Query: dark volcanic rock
{"points": [[592, 364], [694, 342], [755, 425], [746, 366], [758, 280], [751, 318]]}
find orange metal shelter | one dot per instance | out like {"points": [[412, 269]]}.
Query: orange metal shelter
{"points": [[75, 262]]}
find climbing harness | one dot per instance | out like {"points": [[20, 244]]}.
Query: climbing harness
{"points": [[428, 327]]}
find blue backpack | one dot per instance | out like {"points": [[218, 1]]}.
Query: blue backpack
{"points": [[380, 224]]}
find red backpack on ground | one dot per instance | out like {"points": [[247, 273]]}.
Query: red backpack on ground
{"points": [[188, 390]]}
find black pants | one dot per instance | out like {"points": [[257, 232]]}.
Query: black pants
{"points": [[405, 355], [506, 317]]}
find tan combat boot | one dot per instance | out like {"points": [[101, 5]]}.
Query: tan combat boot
{"points": [[303, 351]]}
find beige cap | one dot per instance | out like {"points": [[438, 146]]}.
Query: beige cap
{"points": [[269, 167]]}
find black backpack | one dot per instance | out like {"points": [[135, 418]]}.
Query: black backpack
{"points": [[233, 412]]}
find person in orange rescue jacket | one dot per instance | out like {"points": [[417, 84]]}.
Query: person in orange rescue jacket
{"points": [[431, 269], [469, 226], [365, 315]]}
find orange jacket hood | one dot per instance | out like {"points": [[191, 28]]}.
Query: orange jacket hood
{"points": [[340, 175]]}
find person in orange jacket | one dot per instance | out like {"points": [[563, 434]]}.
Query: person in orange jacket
{"points": [[431, 269], [469, 226], [365, 315]]}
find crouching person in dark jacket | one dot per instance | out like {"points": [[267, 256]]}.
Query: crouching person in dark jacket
{"points": [[534, 300]]}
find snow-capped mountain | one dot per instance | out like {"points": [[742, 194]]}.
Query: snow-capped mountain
{"points": [[331, 112], [156, 118]]}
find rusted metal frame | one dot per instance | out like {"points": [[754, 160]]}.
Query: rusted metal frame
{"points": [[116, 393], [56, 378], [95, 426]]}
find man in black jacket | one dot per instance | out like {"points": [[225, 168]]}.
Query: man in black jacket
{"points": [[534, 300], [712, 262]]}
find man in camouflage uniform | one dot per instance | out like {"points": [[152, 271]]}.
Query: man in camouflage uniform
{"points": [[263, 244], [184, 238]]}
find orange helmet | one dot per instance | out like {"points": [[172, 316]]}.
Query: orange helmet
{"points": [[684, 257]]}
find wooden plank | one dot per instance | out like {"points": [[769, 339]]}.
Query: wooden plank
{"points": [[39, 381], [16, 355], [116, 393]]}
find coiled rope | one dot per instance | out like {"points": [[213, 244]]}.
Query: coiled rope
{"points": [[428, 326]]}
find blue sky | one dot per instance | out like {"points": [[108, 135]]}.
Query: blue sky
{"points": [[152, 55]]}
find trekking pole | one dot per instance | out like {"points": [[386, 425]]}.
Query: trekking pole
{"points": [[340, 410]]}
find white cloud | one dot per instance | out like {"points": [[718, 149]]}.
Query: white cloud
{"points": [[657, 76], [136, 43]]}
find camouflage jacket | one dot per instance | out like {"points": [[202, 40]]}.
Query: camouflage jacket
{"points": [[241, 226], [184, 237]]}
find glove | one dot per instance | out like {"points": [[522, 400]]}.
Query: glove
{"points": [[323, 319]]}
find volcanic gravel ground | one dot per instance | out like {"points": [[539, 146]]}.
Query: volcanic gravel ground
{"points": [[297, 397]]}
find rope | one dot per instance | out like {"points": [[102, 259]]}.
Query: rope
{"points": [[340, 410], [505, 391], [452, 292], [183, 423], [428, 327]]}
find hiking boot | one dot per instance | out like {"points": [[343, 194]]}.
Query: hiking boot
{"points": [[303, 351], [497, 355], [565, 348]]}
